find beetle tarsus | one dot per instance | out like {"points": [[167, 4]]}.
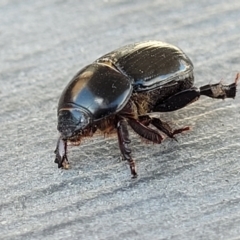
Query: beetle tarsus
{"points": [[61, 154], [180, 130], [133, 168], [237, 78], [219, 90]]}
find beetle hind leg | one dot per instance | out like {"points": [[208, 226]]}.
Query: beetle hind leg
{"points": [[178, 100], [187, 96], [219, 90]]}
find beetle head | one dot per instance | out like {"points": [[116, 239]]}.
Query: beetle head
{"points": [[71, 121]]}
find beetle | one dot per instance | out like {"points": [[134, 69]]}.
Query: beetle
{"points": [[122, 88]]}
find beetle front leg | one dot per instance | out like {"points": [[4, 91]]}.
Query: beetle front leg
{"points": [[61, 154], [123, 140]]}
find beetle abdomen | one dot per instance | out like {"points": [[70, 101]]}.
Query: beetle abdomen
{"points": [[151, 64]]}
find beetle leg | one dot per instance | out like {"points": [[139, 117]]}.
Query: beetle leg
{"points": [[219, 90], [61, 154], [165, 128], [185, 97], [123, 140], [179, 100], [145, 119], [162, 126], [145, 131]]}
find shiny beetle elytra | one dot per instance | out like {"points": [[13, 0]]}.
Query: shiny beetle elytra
{"points": [[121, 88]]}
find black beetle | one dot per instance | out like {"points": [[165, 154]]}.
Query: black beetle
{"points": [[123, 87]]}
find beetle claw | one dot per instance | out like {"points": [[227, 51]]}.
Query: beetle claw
{"points": [[65, 163], [61, 156], [175, 139], [62, 162], [237, 78], [133, 169]]}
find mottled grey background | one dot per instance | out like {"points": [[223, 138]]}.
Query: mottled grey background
{"points": [[188, 189]]}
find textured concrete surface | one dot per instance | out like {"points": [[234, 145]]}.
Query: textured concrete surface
{"points": [[188, 189]]}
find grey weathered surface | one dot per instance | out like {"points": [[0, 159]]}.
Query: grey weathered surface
{"points": [[188, 189]]}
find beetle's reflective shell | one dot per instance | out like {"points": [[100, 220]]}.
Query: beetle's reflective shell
{"points": [[98, 88], [151, 64], [104, 87]]}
